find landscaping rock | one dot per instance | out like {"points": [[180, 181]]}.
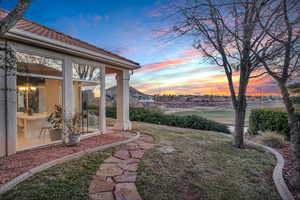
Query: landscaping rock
{"points": [[167, 149]]}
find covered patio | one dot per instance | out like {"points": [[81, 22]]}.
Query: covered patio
{"points": [[54, 69]]}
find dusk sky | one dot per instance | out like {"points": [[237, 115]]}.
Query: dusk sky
{"points": [[133, 29]]}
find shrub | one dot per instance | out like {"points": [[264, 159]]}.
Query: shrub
{"points": [[157, 117], [269, 119], [272, 139], [295, 99]]}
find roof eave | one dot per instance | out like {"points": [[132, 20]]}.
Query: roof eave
{"points": [[37, 40]]}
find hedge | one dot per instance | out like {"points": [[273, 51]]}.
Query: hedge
{"points": [[157, 117], [271, 119], [295, 99]]}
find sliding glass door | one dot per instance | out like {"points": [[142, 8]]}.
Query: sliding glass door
{"points": [[87, 93]]}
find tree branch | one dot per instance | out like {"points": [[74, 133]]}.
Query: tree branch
{"points": [[14, 16]]}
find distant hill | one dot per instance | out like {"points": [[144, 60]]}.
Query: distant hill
{"points": [[134, 93]]}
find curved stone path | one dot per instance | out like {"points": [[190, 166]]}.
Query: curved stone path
{"points": [[115, 179]]}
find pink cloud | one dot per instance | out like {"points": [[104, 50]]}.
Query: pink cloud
{"points": [[185, 56], [162, 65], [215, 84], [159, 33], [154, 13], [97, 18]]}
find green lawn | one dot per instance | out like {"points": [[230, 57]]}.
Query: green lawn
{"points": [[205, 166], [222, 116], [67, 181]]}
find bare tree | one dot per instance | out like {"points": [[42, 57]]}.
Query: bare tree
{"points": [[86, 72], [14, 16], [280, 57], [225, 32]]}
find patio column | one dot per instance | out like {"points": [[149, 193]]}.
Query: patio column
{"points": [[102, 103], [8, 114], [123, 122], [68, 87]]}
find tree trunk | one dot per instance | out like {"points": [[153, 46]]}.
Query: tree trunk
{"points": [[294, 125], [240, 107], [240, 111]]}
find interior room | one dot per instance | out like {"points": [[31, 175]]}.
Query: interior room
{"points": [[39, 93]]}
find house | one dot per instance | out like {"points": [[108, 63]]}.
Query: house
{"points": [[53, 68], [136, 97]]}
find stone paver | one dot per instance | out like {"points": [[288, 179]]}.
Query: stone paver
{"points": [[102, 196], [127, 177], [129, 167], [131, 146], [122, 154], [116, 177], [109, 170], [127, 191], [144, 145], [112, 160], [101, 186], [137, 154]]}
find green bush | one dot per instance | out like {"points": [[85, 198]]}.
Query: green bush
{"points": [[269, 119], [157, 117], [296, 99]]}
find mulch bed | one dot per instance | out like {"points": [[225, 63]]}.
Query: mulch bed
{"points": [[21, 162], [289, 169]]}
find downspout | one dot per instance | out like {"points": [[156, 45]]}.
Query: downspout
{"points": [[5, 99]]}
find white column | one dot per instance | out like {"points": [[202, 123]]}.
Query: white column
{"points": [[68, 87], [102, 103], [8, 125], [12, 112], [123, 122], [2, 114]]}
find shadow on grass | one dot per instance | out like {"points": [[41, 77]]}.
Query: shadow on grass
{"points": [[205, 166], [67, 181]]}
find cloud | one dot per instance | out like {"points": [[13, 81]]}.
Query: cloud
{"points": [[185, 56], [159, 33], [154, 13], [91, 19], [214, 84], [162, 65]]}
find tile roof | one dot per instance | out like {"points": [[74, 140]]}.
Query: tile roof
{"points": [[32, 27]]}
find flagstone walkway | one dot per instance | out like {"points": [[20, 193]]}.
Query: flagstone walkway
{"points": [[115, 179]]}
